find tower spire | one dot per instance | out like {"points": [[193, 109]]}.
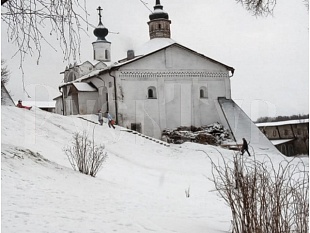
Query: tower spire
{"points": [[101, 47], [159, 24]]}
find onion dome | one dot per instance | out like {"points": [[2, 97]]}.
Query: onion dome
{"points": [[158, 13], [100, 31]]}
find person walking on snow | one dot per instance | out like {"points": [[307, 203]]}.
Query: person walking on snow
{"points": [[245, 147], [100, 119], [110, 120]]}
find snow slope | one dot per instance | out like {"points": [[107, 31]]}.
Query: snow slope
{"points": [[141, 187]]}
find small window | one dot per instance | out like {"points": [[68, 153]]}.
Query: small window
{"points": [[151, 93], [203, 93], [110, 84], [107, 54], [159, 26], [285, 132], [274, 133]]}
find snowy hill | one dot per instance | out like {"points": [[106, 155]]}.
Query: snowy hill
{"points": [[141, 187]]}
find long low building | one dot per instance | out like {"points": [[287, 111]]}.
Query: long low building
{"points": [[290, 137]]}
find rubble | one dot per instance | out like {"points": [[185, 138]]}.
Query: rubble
{"points": [[213, 134]]}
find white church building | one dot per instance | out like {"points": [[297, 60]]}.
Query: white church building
{"points": [[162, 85]]}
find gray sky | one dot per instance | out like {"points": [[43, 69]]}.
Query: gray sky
{"points": [[270, 55]]}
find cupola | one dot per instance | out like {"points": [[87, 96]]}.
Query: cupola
{"points": [[159, 24], [102, 47]]}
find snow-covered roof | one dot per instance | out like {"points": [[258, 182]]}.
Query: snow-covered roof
{"points": [[154, 45], [89, 75], [84, 87], [280, 141], [94, 63], [147, 48], [290, 122]]}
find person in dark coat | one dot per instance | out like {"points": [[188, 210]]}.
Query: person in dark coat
{"points": [[245, 147]]}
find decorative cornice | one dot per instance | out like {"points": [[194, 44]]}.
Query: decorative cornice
{"points": [[172, 74]]}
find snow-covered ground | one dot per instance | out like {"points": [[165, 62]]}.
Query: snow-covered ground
{"points": [[141, 187]]}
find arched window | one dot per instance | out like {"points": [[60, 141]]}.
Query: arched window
{"points": [[203, 92], [274, 133], [151, 93]]}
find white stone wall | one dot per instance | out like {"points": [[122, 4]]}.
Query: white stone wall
{"points": [[177, 76], [88, 102]]}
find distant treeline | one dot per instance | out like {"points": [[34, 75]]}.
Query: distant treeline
{"points": [[282, 118]]}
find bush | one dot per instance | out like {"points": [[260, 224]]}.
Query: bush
{"points": [[264, 198], [84, 155]]}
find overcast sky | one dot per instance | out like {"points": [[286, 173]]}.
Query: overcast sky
{"points": [[270, 54]]}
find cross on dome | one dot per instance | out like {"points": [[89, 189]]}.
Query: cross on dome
{"points": [[100, 31], [99, 9]]}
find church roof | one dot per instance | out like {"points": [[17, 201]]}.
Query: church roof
{"points": [[157, 44], [147, 49]]}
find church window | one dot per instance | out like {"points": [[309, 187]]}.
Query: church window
{"points": [[159, 26], [151, 93], [274, 133], [106, 54], [285, 132], [203, 92]]}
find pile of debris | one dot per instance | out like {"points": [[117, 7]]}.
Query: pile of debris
{"points": [[214, 134]]}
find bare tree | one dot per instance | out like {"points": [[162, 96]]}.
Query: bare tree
{"points": [[262, 7], [4, 73], [264, 197], [31, 22]]}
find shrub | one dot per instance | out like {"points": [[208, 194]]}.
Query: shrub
{"points": [[84, 155], [263, 197]]}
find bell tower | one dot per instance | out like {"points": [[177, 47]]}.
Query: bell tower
{"points": [[102, 47], [159, 24]]}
